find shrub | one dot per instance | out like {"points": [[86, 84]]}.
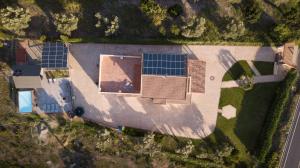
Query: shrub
{"points": [[100, 19], [274, 161], [65, 23], [168, 143], [42, 38], [64, 38], [175, 30], [283, 32], [162, 30], [134, 132], [187, 150], [26, 1], [272, 119], [15, 19], [72, 7], [113, 27], [234, 29], [175, 10], [246, 82], [154, 11], [4, 36], [194, 27]]}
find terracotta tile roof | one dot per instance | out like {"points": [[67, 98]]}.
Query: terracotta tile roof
{"points": [[289, 54], [196, 69], [164, 87], [21, 56]]}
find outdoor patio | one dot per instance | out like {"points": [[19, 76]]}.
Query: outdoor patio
{"points": [[54, 96]]}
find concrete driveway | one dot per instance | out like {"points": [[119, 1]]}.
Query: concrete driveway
{"points": [[196, 120]]}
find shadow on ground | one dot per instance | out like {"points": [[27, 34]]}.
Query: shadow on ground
{"points": [[252, 112]]}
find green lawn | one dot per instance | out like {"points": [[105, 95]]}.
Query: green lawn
{"points": [[265, 68], [252, 107], [237, 70]]}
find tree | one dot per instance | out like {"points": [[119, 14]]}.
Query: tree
{"points": [[234, 29], [154, 11], [15, 19], [111, 26], [291, 16], [194, 27], [283, 32], [65, 23], [251, 10], [100, 20], [175, 30]]}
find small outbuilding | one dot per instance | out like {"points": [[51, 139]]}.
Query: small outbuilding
{"points": [[26, 76]]}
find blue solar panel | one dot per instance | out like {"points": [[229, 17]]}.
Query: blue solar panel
{"points": [[164, 64], [54, 55]]}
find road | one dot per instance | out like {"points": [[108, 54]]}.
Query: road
{"points": [[291, 156]]}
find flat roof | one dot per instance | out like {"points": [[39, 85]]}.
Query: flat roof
{"points": [[27, 82], [27, 70], [120, 74], [164, 87], [25, 101]]}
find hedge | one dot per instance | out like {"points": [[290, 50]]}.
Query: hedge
{"points": [[272, 119]]}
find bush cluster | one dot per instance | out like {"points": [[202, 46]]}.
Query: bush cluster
{"points": [[272, 119]]}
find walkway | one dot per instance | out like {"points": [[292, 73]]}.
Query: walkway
{"points": [[253, 68], [256, 79]]}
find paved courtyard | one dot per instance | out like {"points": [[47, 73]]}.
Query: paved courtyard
{"points": [[54, 96], [196, 120]]}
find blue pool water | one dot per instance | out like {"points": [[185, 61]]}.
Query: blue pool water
{"points": [[25, 101]]}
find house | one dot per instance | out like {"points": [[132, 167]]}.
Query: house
{"points": [[26, 76], [160, 77]]}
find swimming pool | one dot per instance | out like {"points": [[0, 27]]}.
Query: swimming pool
{"points": [[25, 101]]}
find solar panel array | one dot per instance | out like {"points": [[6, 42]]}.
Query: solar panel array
{"points": [[165, 64], [54, 55]]}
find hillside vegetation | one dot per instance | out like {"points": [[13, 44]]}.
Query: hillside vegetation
{"points": [[155, 21]]}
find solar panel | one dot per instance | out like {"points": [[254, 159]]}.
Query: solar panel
{"points": [[54, 55], [164, 64]]}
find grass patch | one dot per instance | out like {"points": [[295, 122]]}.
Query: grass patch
{"points": [[237, 70], [264, 68], [252, 107]]}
